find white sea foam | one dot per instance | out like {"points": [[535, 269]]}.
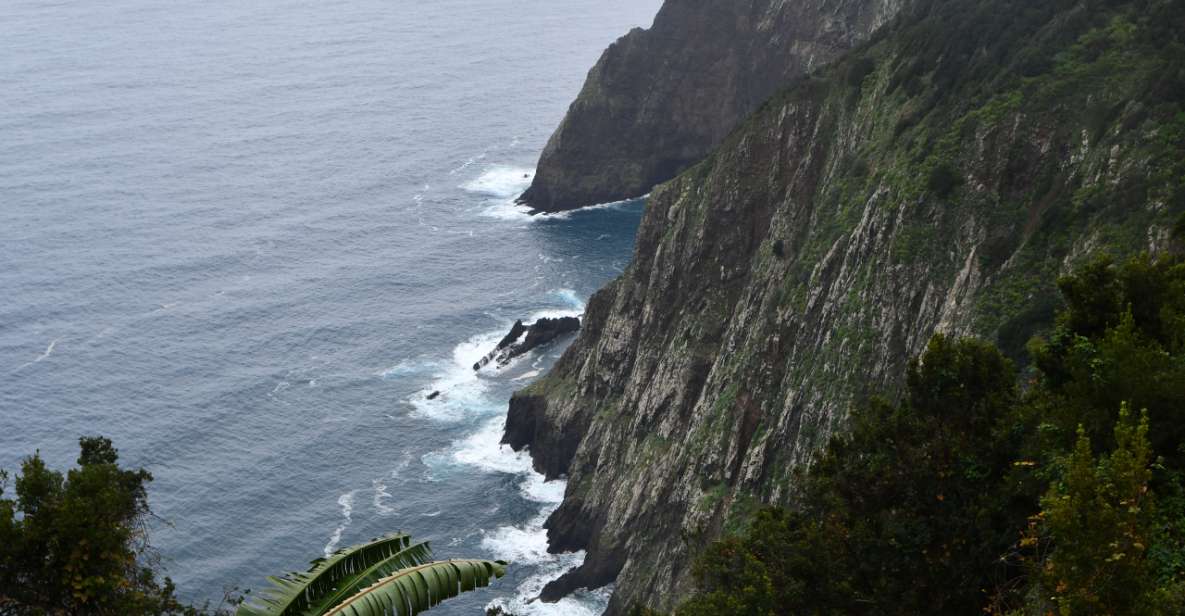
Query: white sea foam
{"points": [[535, 487], [573, 306], [462, 389], [502, 185], [468, 163], [380, 498], [523, 545], [48, 351], [508, 209], [404, 462], [381, 495], [483, 450], [346, 503], [464, 393], [406, 368], [501, 181], [613, 204], [525, 601], [527, 545]]}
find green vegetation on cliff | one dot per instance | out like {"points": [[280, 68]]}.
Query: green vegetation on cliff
{"points": [[972, 495]]}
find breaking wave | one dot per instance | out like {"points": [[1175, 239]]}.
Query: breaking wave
{"points": [[524, 544], [501, 181]]}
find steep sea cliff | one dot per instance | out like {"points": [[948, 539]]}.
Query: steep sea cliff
{"points": [[937, 179], [660, 99]]}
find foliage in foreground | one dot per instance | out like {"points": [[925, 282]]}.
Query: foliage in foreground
{"points": [[77, 543], [389, 575], [971, 496]]}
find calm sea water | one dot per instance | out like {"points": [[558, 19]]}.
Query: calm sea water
{"points": [[246, 239]]}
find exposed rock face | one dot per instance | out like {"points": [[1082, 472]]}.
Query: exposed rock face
{"points": [[800, 267], [545, 330], [516, 331], [538, 334], [660, 99]]}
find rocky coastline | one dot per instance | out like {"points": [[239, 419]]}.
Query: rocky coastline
{"points": [[798, 268]]}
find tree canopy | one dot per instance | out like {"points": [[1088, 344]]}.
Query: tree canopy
{"points": [[972, 495], [77, 543]]}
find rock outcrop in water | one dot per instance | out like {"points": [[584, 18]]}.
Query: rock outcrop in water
{"points": [[660, 99], [916, 186], [540, 332]]}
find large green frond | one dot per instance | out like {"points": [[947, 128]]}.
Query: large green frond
{"points": [[411, 591], [332, 579], [412, 556]]}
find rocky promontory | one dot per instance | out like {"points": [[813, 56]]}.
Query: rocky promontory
{"points": [[522, 339], [660, 99]]}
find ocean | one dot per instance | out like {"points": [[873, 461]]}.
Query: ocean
{"points": [[245, 240]]}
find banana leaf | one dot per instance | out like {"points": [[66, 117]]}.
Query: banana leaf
{"points": [[415, 589], [333, 579]]}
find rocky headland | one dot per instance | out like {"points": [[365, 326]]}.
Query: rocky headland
{"points": [[661, 99], [522, 339]]}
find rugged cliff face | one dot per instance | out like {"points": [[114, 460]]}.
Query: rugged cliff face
{"points": [[937, 179], [660, 99]]}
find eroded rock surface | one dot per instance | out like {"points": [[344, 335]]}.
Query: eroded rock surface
{"points": [[660, 99], [522, 339]]}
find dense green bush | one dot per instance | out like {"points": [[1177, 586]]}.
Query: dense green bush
{"points": [[971, 496], [944, 179], [77, 543], [1120, 340], [907, 513]]}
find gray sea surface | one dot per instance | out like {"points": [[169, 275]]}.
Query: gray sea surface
{"points": [[245, 240]]}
